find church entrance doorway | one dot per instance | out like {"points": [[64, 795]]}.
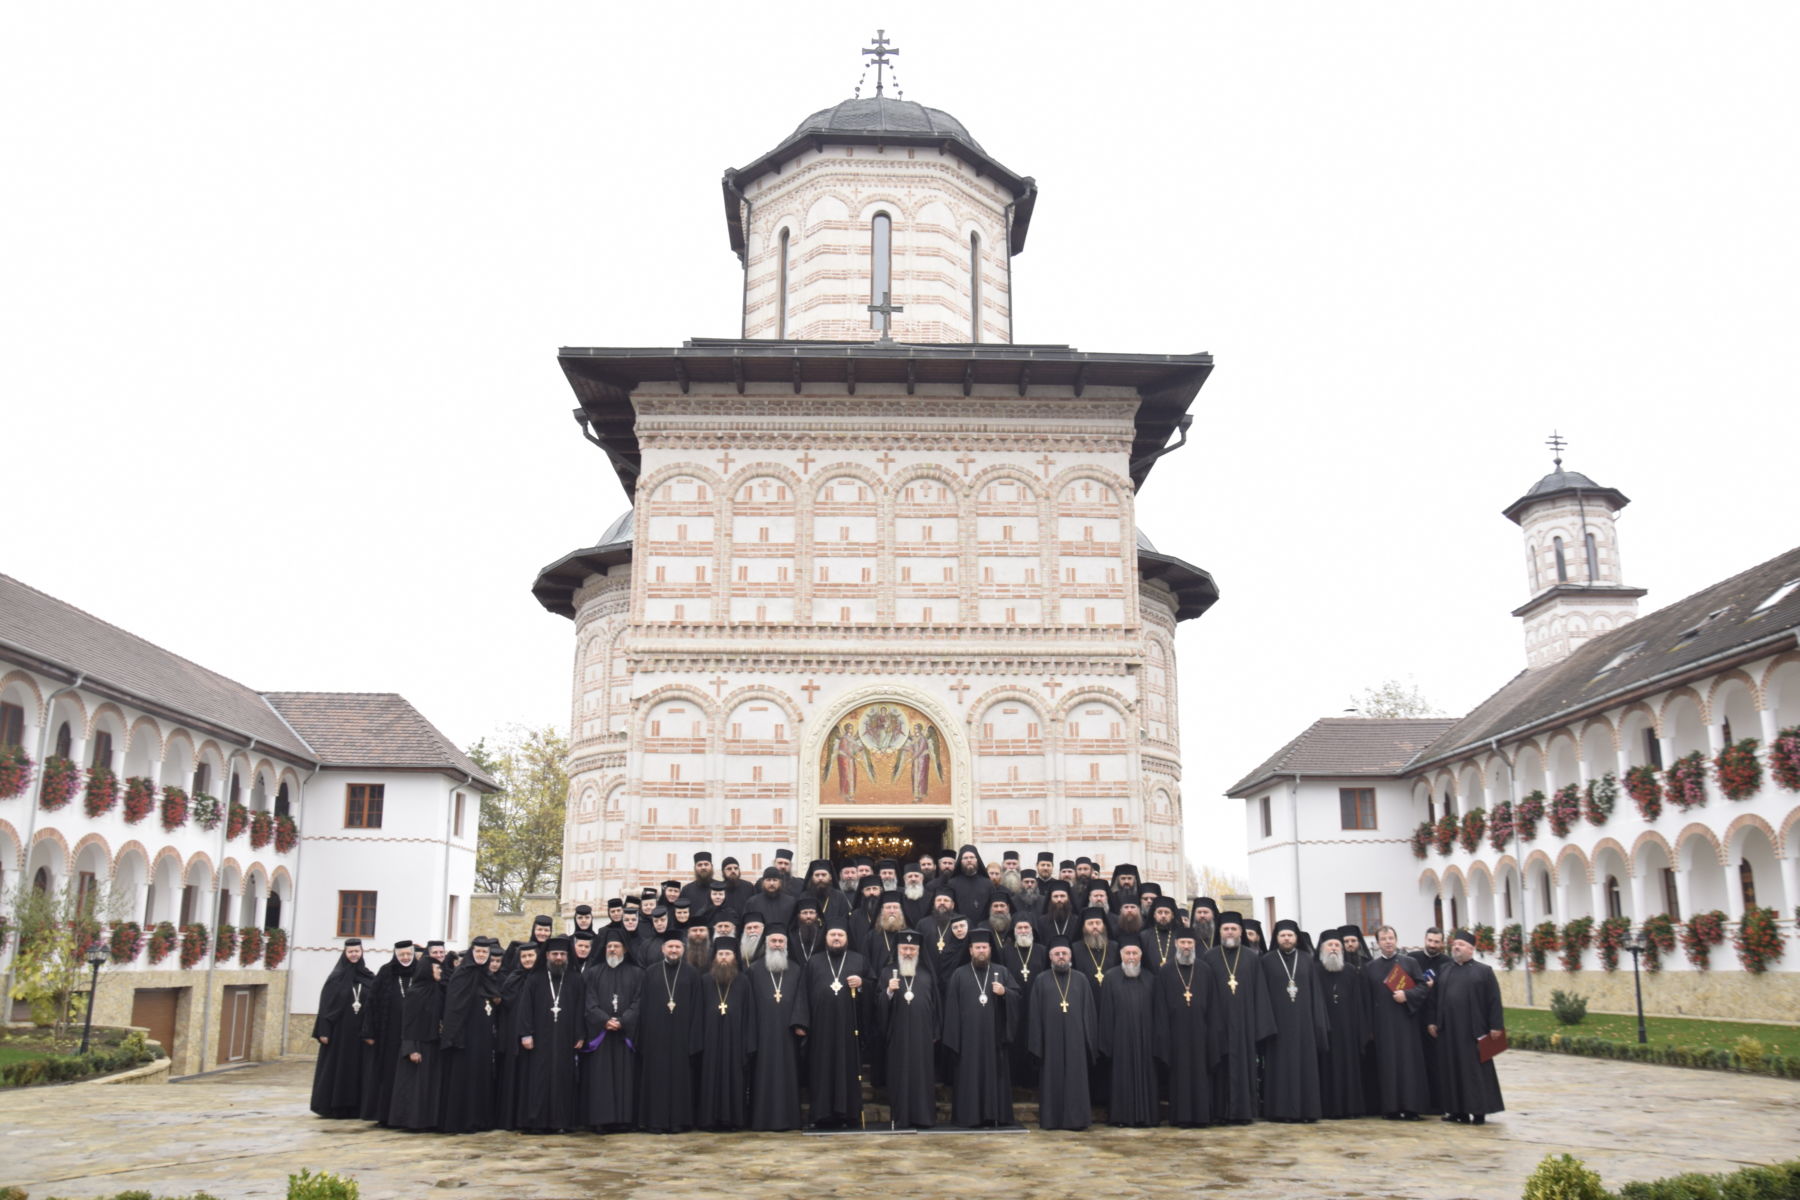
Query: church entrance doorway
{"points": [[900, 840]]}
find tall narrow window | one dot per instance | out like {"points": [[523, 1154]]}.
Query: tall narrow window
{"points": [[1593, 557], [781, 294], [974, 287], [881, 281], [1562, 563], [1536, 579]]}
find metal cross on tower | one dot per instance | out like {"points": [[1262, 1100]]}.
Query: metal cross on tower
{"points": [[879, 48], [1556, 442], [887, 308]]}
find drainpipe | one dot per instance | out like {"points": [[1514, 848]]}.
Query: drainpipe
{"points": [[449, 828], [1512, 789], [293, 918], [212, 957], [1012, 299], [1294, 808], [37, 803]]}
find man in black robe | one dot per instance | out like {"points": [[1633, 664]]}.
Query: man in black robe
{"points": [[418, 1072], [915, 903], [807, 936], [773, 901], [1248, 1021], [1127, 1040], [523, 958], [1432, 960], [935, 928], [698, 890], [884, 938], [1097, 953], [728, 1037], [1189, 1013], [778, 995], [1464, 1008], [670, 1037], [1204, 921], [1030, 898], [381, 1013], [338, 1075], [783, 863], [907, 1004], [1347, 1009], [835, 1002], [613, 992], [1356, 954], [984, 1007], [999, 914], [551, 1032], [1291, 1090], [1063, 1032], [468, 1042], [738, 890], [821, 887], [1397, 1062], [1158, 939], [970, 884], [1027, 958], [1060, 919]]}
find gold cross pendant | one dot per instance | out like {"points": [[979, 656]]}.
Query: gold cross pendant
{"points": [[1065, 1006], [722, 1007], [671, 1005], [836, 987], [778, 995], [1233, 983], [1099, 976], [1188, 995]]}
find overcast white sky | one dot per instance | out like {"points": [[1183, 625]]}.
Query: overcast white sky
{"points": [[281, 288]]}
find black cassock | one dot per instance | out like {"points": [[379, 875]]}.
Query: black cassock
{"points": [[382, 1006], [417, 1085], [1190, 1038], [909, 1023], [1026, 966], [1465, 1006], [506, 1047], [669, 1039], [832, 1053], [1291, 1090], [608, 1088], [1395, 1080], [1347, 1011], [775, 1073], [551, 1014], [1247, 1023], [338, 1075], [1096, 966], [468, 1048], [728, 1021], [1062, 1031], [1435, 964], [980, 1038], [1128, 1048], [1159, 946]]}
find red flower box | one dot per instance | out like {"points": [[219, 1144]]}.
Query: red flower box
{"points": [[250, 946], [163, 939], [275, 952], [140, 799], [237, 821], [1738, 770], [1702, 932], [127, 942], [226, 944], [194, 941], [1784, 758], [174, 808], [1643, 786], [1757, 941], [287, 834], [62, 779], [102, 791], [15, 771], [1685, 781], [262, 830], [1565, 809]]}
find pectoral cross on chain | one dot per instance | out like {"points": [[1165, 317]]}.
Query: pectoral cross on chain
{"points": [[1233, 983], [556, 1010], [722, 1007], [1188, 995], [836, 987], [1293, 992], [1065, 1005]]}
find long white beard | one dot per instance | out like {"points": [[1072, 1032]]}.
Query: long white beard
{"points": [[1023, 935], [614, 960], [847, 885], [909, 967], [1132, 970], [1331, 960], [1000, 922], [915, 891], [1011, 881], [1184, 957], [776, 959], [751, 941]]}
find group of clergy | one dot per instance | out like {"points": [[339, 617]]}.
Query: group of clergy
{"points": [[715, 1004]]}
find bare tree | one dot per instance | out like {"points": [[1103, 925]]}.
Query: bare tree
{"points": [[1393, 698]]}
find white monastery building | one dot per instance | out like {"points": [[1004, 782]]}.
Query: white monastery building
{"points": [[254, 829], [881, 584], [1638, 769]]}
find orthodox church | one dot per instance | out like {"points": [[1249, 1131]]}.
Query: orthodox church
{"points": [[880, 586]]}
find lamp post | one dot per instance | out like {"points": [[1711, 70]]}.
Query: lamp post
{"points": [[96, 956], [1634, 946]]}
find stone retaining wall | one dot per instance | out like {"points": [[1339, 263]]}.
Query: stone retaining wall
{"points": [[1725, 993]]}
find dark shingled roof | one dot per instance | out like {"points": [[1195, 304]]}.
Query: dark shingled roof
{"points": [[1335, 746], [1692, 636], [373, 729], [1558, 483], [62, 640]]}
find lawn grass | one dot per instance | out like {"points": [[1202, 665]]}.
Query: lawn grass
{"points": [[1688, 1032]]}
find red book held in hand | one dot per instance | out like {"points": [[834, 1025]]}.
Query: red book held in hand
{"points": [[1397, 979], [1490, 1044]]}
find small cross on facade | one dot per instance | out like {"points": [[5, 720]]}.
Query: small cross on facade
{"points": [[887, 308], [725, 461], [966, 462], [886, 460], [1046, 462], [806, 461], [1053, 684], [718, 685], [809, 687], [959, 687]]}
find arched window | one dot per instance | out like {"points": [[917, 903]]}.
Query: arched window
{"points": [[881, 277], [1537, 580], [1593, 559], [65, 741], [281, 801], [1747, 881], [202, 778], [974, 287], [1562, 563], [1615, 900], [781, 294], [272, 911]]}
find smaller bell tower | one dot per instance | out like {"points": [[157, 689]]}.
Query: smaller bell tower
{"points": [[1570, 525]]}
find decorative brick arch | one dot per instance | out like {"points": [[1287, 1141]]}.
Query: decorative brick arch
{"points": [[258, 873], [230, 864], [172, 854], [1479, 870], [706, 475], [1089, 694], [1700, 831], [1538, 857], [1506, 863], [1540, 749], [1586, 868], [52, 834], [1735, 675], [117, 714], [199, 857], [256, 773], [757, 691], [1430, 877], [179, 734], [1005, 471], [1650, 838], [1669, 703], [1782, 844], [155, 731], [1768, 675], [1614, 845], [1748, 821], [78, 718], [290, 777], [676, 691], [278, 878], [18, 844], [1444, 783], [832, 472], [1600, 721], [1453, 874], [958, 488], [126, 848], [1005, 693], [26, 681], [1122, 486], [211, 751], [764, 470]]}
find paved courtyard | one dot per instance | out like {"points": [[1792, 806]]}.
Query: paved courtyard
{"points": [[239, 1133]]}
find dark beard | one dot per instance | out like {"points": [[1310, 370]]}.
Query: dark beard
{"points": [[699, 955], [1059, 907], [1131, 922], [969, 869], [724, 973], [1061, 968], [1094, 941]]}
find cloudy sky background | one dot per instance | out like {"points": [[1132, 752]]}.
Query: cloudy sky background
{"points": [[282, 288]]}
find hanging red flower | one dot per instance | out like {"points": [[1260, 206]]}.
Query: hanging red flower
{"points": [[174, 808], [1527, 815], [1645, 789], [140, 799], [1565, 809], [250, 946], [1702, 932], [1659, 939], [1784, 758], [1611, 940], [1757, 941], [162, 940], [1544, 941], [102, 791], [237, 821], [1474, 824], [15, 771], [262, 830], [194, 941], [1577, 936], [1500, 825], [1422, 837], [287, 834], [1685, 781], [225, 944], [127, 942], [62, 779], [275, 952], [1443, 835], [1484, 938], [1739, 770], [1512, 945]]}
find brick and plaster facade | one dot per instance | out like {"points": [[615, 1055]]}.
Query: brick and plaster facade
{"points": [[829, 524]]}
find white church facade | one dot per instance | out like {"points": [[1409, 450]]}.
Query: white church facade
{"points": [[881, 584], [1641, 772]]}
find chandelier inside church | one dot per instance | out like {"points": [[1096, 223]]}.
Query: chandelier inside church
{"points": [[876, 841]]}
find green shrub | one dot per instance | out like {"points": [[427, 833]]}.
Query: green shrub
{"points": [[1570, 1008], [1780, 1181], [1564, 1177], [131, 1052], [323, 1186], [1750, 1052], [13, 1193]]}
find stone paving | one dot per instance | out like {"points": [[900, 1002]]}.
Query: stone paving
{"points": [[239, 1133]]}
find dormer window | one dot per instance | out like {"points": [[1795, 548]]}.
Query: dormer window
{"points": [[1777, 596]]}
